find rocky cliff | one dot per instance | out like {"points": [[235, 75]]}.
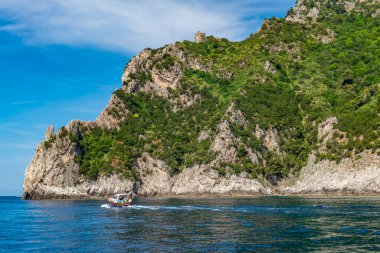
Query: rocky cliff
{"points": [[293, 109]]}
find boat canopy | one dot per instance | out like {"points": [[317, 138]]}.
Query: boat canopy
{"points": [[121, 195]]}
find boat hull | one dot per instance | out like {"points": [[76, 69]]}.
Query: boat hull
{"points": [[114, 204]]}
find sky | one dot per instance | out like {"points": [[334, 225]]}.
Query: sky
{"points": [[61, 59]]}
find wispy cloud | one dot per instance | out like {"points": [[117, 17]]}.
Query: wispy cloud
{"points": [[30, 145], [79, 110], [24, 102], [15, 128], [129, 26]]}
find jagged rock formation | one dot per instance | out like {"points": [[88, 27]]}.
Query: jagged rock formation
{"points": [[199, 37], [113, 114], [268, 115]]}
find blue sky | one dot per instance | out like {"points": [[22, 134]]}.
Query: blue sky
{"points": [[61, 59]]}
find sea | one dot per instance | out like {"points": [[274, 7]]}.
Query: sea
{"points": [[255, 224]]}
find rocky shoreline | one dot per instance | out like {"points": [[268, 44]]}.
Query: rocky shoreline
{"points": [[215, 196], [349, 177]]}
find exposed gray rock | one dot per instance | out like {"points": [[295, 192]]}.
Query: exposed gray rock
{"points": [[165, 78], [326, 129], [224, 144], [253, 156], [142, 62], [49, 133], [376, 14], [200, 179], [269, 67], [270, 138], [265, 26], [204, 135], [204, 180], [349, 6], [161, 78], [326, 38], [301, 12], [199, 37], [155, 176], [52, 166], [236, 116], [53, 172], [102, 187], [113, 114], [349, 176], [184, 100], [314, 12]]}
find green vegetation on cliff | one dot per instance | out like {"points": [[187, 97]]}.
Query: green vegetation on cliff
{"points": [[290, 77]]}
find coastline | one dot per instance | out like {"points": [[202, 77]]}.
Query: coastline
{"points": [[348, 178], [221, 195]]}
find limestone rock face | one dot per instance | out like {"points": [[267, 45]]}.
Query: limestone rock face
{"points": [[270, 138], [268, 67], [204, 180], [376, 14], [155, 176], [141, 62], [301, 12], [49, 133], [196, 180], [199, 37], [326, 38], [52, 165], [349, 176], [224, 144], [53, 172], [103, 187], [204, 135], [236, 116], [167, 78], [325, 129], [159, 77], [113, 114]]}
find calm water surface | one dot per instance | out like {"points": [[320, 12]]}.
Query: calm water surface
{"points": [[259, 224]]}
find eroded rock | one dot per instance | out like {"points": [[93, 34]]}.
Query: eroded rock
{"points": [[349, 176], [113, 114], [199, 37]]}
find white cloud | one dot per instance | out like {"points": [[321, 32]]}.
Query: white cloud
{"points": [[128, 26]]}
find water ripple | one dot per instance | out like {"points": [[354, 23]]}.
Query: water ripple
{"points": [[264, 224]]}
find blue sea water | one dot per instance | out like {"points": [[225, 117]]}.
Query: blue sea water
{"points": [[257, 224]]}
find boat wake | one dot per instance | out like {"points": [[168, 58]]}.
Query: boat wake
{"points": [[171, 208], [174, 208], [255, 209]]}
